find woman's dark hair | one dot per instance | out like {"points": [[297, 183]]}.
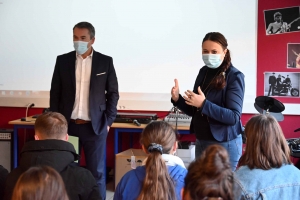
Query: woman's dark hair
{"points": [[266, 146], [158, 137], [210, 176], [40, 183], [219, 82]]}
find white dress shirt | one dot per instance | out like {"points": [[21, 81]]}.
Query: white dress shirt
{"points": [[83, 76]]}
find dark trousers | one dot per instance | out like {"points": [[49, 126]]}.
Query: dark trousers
{"points": [[271, 88], [94, 147]]}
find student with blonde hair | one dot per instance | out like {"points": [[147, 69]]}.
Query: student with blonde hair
{"points": [[163, 175], [51, 148], [210, 177], [40, 183], [266, 171]]}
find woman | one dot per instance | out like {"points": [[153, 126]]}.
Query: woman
{"points": [[163, 175], [216, 101], [266, 171], [210, 176], [40, 183]]}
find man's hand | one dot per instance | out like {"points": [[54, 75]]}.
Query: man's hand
{"points": [[108, 127], [175, 91], [194, 99]]}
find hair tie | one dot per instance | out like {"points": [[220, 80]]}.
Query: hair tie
{"points": [[155, 147]]}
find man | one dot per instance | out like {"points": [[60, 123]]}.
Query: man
{"points": [[279, 83], [52, 149], [278, 80], [287, 80], [84, 89], [272, 83], [278, 26]]}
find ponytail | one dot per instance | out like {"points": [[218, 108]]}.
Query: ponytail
{"points": [[220, 81], [157, 184], [210, 176], [158, 138]]}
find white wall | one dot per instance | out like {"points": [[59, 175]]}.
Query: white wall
{"points": [[151, 42]]}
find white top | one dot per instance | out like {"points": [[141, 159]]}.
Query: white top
{"points": [[83, 76], [170, 160]]}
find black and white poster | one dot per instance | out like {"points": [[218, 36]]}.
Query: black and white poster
{"points": [[283, 20], [293, 55], [282, 84]]}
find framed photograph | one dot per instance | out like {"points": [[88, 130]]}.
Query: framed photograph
{"points": [[282, 20], [282, 84], [293, 55]]}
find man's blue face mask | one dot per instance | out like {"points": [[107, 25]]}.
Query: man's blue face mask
{"points": [[81, 47]]}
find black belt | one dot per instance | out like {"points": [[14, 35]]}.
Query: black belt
{"points": [[80, 121]]}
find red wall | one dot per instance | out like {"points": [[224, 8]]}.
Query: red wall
{"points": [[272, 49], [272, 57]]}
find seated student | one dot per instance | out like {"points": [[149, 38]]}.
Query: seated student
{"points": [[3, 175], [40, 183], [52, 149], [265, 169], [210, 176], [163, 175]]}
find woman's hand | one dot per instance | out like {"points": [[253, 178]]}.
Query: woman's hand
{"points": [[175, 91], [194, 99]]}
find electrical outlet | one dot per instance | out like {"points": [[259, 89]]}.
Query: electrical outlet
{"points": [[120, 107]]}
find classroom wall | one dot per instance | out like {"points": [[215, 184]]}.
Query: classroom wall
{"points": [[272, 57]]}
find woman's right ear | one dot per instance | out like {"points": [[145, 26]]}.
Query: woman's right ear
{"points": [[181, 193], [184, 196], [144, 150]]}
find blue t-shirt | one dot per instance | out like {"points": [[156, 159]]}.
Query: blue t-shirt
{"points": [[131, 183]]}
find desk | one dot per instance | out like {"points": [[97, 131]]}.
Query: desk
{"points": [[118, 128], [29, 124], [131, 128]]}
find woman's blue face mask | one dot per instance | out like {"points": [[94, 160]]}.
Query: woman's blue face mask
{"points": [[212, 60]]}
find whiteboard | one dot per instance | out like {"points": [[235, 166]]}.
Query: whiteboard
{"points": [[151, 42]]}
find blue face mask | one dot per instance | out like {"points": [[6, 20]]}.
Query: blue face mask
{"points": [[80, 47], [212, 60]]}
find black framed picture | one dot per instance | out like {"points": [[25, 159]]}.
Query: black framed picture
{"points": [[281, 84], [283, 20]]}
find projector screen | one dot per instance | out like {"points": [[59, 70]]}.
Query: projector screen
{"points": [[151, 42]]}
